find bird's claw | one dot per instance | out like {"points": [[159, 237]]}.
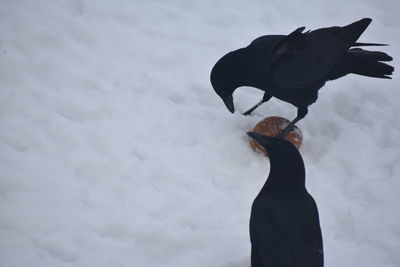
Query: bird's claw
{"points": [[285, 131], [282, 134]]}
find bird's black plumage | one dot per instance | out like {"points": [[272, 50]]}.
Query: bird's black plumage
{"points": [[294, 67], [284, 221]]}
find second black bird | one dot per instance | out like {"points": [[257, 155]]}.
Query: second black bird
{"points": [[294, 67], [284, 222]]}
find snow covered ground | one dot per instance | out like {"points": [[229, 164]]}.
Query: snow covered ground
{"points": [[115, 150]]}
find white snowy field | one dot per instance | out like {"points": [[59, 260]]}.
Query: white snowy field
{"points": [[115, 150]]}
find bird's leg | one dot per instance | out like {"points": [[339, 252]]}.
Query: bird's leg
{"points": [[301, 113], [265, 98], [253, 108]]}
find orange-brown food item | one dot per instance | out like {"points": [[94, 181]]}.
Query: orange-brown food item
{"points": [[272, 126]]}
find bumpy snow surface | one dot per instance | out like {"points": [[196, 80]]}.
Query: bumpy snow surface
{"points": [[115, 150]]}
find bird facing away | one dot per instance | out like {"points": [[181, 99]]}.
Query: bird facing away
{"points": [[284, 221], [294, 67]]}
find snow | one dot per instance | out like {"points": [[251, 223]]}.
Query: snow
{"points": [[115, 150]]}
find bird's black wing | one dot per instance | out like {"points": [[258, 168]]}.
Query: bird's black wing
{"points": [[295, 64], [305, 59], [267, 41]]}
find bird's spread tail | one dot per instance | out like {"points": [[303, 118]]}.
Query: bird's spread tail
{"points": [[368, 63], [360, 61], [363, 62]]}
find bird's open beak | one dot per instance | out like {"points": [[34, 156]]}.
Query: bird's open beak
{"points": [[228, 100], [262, 139]]}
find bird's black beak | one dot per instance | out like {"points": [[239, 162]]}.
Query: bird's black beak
{"points": [[264, 140], [228, 100]]}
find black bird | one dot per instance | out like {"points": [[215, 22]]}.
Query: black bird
{"points": [[294, 67], [284, 221]]}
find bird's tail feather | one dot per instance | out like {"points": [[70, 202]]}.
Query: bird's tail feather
{"points": [[354, 30], [375, 69], [368, 44], [363, 62], [368, 63]]}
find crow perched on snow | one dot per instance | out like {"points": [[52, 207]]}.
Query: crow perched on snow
{"points": [[294, 67], [284, 222]]}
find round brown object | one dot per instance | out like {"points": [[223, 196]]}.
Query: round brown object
{"points": [[272, 126]]}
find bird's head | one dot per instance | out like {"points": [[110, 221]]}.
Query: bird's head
{"points": [[227, 75], [274, 145], [223, 88], [286, 161]]}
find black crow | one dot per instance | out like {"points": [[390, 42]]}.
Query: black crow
{"points": [[294, 67], [284, 221]]}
